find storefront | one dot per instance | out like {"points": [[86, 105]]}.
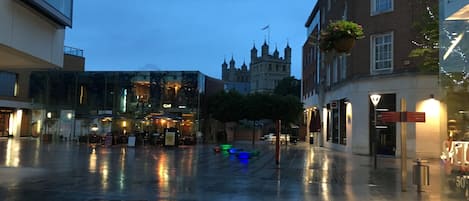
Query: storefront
{"points": [[454, 81], [122, 103]]}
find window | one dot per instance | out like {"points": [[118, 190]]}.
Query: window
{"points": [[328, 75], [336, 122], [343, 67], [381, 53], [335, 70], [9, 83], [342, 122], [270, 67], [381, 6]]}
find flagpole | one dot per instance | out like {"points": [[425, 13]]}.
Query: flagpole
{"points": [[268, 32], [268, 35]]}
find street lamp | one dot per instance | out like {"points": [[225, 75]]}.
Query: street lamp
{"points": [[69, 117], [49, 116], [375, 98]]}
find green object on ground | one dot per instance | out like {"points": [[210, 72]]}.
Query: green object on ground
{"points": [[225, 146]]}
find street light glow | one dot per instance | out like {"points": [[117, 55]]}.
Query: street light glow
{"points": [[375, 99]]}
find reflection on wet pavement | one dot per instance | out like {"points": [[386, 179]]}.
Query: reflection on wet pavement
{"points": [[66, 171]]}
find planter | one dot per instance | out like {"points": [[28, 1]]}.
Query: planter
{"points": [[344, 45]]}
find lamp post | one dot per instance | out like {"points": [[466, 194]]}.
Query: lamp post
{"points": [[375, 98], [49, 116], [69, 117]]}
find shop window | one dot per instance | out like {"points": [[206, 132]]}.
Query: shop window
{"points": [[336, 122], [342, 122]]}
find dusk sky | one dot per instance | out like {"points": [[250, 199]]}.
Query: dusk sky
{"points": [[185, 34]]}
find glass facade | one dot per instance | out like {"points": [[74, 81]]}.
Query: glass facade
{"points": [[58, 10], [115, 102], [454, 82]]}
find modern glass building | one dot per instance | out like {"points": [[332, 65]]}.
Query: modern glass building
{"points": [[70, 104], [454, 82]]}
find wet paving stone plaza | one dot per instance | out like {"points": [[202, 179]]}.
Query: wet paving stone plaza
{"points": [[66, 171]]}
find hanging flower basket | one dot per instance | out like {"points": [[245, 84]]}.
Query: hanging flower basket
{"points": [[344, 45], [340, 36]]}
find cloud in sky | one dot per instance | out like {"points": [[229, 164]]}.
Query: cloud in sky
{"points": [[184, 34]]}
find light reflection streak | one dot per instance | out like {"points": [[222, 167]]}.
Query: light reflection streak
{"points": [[12, 153], [36, 153], [308, 173], [92, 161], [105, 174], [122, 169], [162, 175], [325, 179]]}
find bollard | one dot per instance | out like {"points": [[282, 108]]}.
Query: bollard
{"points": [[421, 174]]}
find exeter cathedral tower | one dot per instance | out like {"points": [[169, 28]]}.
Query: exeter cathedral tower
{"points": [[264, 73]]}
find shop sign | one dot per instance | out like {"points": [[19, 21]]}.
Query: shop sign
{"points": [[456, 152], [454, 157], [462, 182]]}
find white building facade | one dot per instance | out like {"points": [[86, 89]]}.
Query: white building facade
{"points": [[32, 37], [337, 86]]}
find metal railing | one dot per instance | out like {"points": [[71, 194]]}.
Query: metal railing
{"points": [[73, 51]]}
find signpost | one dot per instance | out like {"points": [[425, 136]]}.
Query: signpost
{"points": [[403, 117]]}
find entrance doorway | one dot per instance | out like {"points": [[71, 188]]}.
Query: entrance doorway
{"points": [[385, 132], [4, 123]]}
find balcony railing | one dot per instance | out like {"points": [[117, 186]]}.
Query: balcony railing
{"points": [[73, 51]]}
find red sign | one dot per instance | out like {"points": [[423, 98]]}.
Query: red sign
{"points": [[415, 116], [390, 116]]}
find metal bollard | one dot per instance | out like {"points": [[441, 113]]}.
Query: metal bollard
{"points": [[421, 174]]}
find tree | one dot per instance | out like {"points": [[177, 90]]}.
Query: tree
{"points": [[226, 107], [288, 86], [285, 109], [254, 109], [428, 38]]}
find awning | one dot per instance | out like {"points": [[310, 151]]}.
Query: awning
{"points": [[315, 121]]}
